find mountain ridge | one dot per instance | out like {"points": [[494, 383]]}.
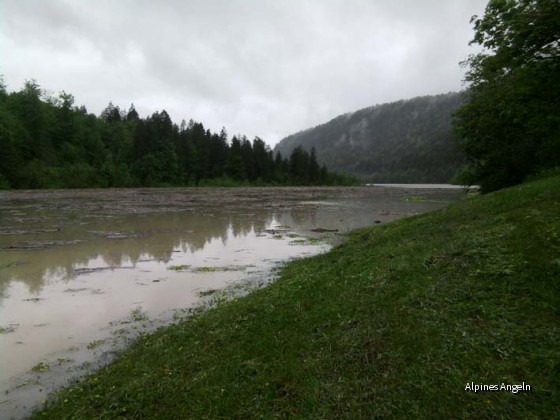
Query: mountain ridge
{"points": [[403, 141]]}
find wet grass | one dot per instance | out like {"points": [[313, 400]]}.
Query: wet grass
{"points": [[395, 322], [94, 344], [207, 292], [41, 367], [138, 315]]}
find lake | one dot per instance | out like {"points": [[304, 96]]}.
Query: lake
{"points": [[83, 272]]}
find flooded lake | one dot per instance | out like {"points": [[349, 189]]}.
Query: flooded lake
{"points": [[84, 271]]}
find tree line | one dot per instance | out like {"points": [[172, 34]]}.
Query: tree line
{"points": [[510, 123], [49, 142]]}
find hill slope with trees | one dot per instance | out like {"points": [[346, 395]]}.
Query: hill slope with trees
{"points": [[510, 123], [404, 141]]}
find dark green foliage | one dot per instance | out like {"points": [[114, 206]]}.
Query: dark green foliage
{"points": [[404, 141], [48, 142], [510, 125]]}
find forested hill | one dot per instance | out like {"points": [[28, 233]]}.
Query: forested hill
{"points": [[49, 142], [404, 141]]}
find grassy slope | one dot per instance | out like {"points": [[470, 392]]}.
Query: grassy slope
{"points": [[394, 322]]}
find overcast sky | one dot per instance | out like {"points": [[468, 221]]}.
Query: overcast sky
{"points": [[264, 68]]}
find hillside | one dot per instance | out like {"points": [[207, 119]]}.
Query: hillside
{"points": [[404, 141], [401, 321]]}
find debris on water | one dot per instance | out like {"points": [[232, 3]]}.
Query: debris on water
{"points": [[24, 245], [27, 231], [116, 235], [13, 264], [323, 230], [182, 267], [87, 270], [275, 231], [224, 268], [75, 290], [207, 292], [9, 329]]}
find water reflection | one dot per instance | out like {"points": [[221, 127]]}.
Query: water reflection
{"points": [[73, 262], [44, 240], [115, 242]]}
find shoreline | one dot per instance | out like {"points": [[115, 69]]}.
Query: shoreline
{"points": [[390, 323]]}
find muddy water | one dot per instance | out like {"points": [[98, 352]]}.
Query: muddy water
{"points": [[84, 271]]}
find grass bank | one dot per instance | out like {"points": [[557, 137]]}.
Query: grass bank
{"points": [[395, 322]]}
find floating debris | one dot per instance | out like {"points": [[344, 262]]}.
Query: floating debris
{"points": [[9, 329], [207, 292], [25, 245], [87, 270], [224, 268], [75, 290], [116, 235], [179, 267], [323, 230], [27, 231]]}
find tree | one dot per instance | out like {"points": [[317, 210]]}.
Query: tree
{"points": [[299, 166], [48, 142], [3, 92], [235, 168], [248, 158], [510, 124], [218, 153], [132, 114], [262, 160], [111, 114], [65, 129], [314, 169]]}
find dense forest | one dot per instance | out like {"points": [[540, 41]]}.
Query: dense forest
{"points": [[510, 123], [405, 141], [49, 142]]}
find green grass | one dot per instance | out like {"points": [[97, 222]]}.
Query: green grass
{"points": [[393, 323]]}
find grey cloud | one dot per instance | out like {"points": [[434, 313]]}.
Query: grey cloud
{"points": [[258, 67]]}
